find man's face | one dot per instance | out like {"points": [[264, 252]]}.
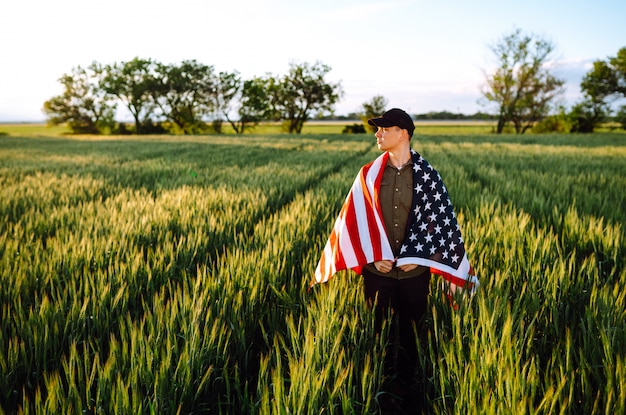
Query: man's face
{"points": [[389, 138]]}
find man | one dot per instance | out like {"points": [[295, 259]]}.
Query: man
{"points": [[397, 226]]}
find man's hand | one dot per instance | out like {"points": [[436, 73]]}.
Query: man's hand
{"points": [[384, 266], [407, 267]]}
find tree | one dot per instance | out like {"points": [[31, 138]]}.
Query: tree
{"points": [[248, 100], [607, 79], [133, 83], [185, 94], [294, 97], [600, 83], [83, 106], [253, 104], [602, 86], [522, 86], [374, 108], [618, 63], [620, 117], [228, 87]]}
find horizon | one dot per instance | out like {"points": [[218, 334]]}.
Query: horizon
{"points": [[329, 118]]}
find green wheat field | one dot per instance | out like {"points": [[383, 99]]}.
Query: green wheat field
{"points": [[169, 275]]}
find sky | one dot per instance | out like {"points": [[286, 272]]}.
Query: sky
{"points": [[421, 55]]}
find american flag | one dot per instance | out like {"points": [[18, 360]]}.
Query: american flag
{"points": [[434, 238]]}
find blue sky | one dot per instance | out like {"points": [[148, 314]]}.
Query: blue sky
{"points": [[421, 55]]}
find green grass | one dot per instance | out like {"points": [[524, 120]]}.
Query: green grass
{"points": [[170, 274]]}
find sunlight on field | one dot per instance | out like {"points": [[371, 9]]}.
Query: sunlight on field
{"points": [[33, 130], [170, 274], [441, 127], [312, 127]]}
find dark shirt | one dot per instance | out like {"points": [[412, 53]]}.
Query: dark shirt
{"points": [[396, 195]]}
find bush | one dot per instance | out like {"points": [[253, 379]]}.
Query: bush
{"points": [[586, 116], [150, 127], [620, 117], [354, 129], [559, 123], [122, 129]]}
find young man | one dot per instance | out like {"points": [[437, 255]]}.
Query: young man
{"points": [[397, 226]]}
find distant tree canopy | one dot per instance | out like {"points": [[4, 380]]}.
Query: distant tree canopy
{"points": [[447, 115], [132, 83], [84, 106], [372, 109], [189, 97], [522, 86], [602, 86], [186, 95], [607, 79], [301, 92]]}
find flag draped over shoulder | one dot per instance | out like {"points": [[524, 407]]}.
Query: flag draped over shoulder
{"points": [[434, 238]]}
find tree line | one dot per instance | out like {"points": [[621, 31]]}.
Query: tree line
{"points": [[523, 88], [188, 97], [522, 91], [191, 97]]}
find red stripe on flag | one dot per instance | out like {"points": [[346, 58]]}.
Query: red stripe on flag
{"points": [[452, 279], [372, 227], [353, 231], [372, 202]]}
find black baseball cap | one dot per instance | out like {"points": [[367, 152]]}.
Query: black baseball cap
{"points": [[394, 117]]}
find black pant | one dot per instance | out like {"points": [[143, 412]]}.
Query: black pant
{"points": [[407, 299]]}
